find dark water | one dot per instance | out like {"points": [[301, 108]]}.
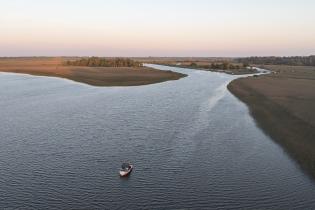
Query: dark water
{"points": [[193, 144]]}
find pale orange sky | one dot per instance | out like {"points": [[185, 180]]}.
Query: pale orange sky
{"points": [[157, 28]]}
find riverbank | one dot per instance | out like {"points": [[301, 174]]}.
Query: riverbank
{"points": [[241, 71], [222, 65], [96, 76], [283, 105]]}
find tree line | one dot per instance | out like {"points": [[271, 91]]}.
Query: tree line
{"points": [[221, 65], [272, 60], [104, 62]]}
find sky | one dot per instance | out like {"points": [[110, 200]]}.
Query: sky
{"points": [[209, 28]]}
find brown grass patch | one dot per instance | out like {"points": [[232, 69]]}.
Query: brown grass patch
{"points": [[283, 105], [97, 76]]}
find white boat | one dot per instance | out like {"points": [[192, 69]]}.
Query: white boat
{"points": [[126, 169]]}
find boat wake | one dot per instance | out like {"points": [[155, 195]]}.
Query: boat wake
{"points": [[187, 140], [219, 93]]}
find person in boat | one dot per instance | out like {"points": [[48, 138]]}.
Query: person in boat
{"points": [[125, 170], [126, 166]]}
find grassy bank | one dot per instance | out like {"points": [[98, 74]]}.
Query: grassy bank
{"points": [[223, 65], [283, 105], [207, 67], [96, 76]]}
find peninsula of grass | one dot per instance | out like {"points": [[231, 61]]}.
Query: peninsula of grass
{"points": [[283, 105], [92, 71]]}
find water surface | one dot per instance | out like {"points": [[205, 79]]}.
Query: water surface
{"points": [[193, 144]]}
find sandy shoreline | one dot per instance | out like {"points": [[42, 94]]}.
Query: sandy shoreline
{"points": [[96, 76], [282, 104]]}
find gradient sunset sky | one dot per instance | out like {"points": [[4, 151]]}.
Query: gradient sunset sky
{"points": [[157, 27]]}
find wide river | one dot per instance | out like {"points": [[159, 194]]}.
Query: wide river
{"points": [[194, 146]]}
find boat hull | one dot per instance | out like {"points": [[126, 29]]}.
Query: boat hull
{"points": [[125, 173]]}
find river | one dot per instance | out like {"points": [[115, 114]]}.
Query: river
{"points": [[193, 144]]}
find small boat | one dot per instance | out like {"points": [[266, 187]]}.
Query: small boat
{"points": [[126, 169]]}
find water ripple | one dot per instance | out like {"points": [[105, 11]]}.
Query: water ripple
{"points": [[194, 146]]}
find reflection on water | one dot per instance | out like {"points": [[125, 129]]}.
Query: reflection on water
{"points": [[193, 145]]}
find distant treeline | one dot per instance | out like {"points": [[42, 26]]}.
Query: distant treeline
{"points": [[292, 61], [104, 62], [223, 66]]}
